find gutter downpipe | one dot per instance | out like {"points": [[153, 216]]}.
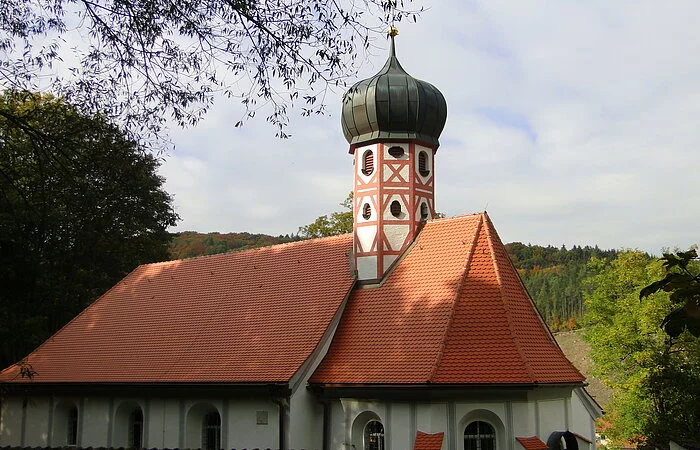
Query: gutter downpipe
{"points": [[283, 405]]}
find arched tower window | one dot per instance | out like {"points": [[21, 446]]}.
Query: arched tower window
{"points": [[423, 167], [395, 208], [374, 435], [211, 431], [136, 428], [72, 431], [366, 211], [368, 162], [424, 212], [396, 151], [479, 436]]}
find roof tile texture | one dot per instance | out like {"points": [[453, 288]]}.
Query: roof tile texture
{"points": [[453, 311], [532, 443], [253, 316], [425, 441]]}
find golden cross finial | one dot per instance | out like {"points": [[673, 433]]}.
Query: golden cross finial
{"points": [[393, 31]]}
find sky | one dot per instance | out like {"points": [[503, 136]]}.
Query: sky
{"points": [[570, 122]]}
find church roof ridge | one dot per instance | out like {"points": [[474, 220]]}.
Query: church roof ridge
{"points": [[254, 249]]}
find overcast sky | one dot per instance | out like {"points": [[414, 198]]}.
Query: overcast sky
{"points": [[570, 122]]}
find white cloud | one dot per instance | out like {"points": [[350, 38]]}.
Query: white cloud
{"points": [[575, 122]]}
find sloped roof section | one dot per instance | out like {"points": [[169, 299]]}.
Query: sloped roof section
{"points": [[247, 317], [532, 443], [453, 311], [425, 441]]}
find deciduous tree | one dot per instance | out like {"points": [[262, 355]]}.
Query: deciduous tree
{"points": [[145, 61], [77, 212], [656, 377], [339, 222]]}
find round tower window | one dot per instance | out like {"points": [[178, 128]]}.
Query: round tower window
{"points": [[368, 162], [395, 208], [423, 168], [424, 211], [396, 151], [366, 211]]}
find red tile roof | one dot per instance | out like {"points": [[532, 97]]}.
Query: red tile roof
{"points": [[425, 441], [252, 316], [532, 443], [453, 311]]}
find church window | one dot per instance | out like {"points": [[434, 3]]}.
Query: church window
{"points": [[423, 168], [479, 436], [374, 435], [136, 428], [395, 208], [72, 436], [368, 162], [211, 431], [366, 211], [396, 151], [424, 211]]}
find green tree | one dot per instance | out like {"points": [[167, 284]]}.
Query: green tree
{"points": [[682, 280], [339, 222], [146, 61], [77, 212], [656, 377]]}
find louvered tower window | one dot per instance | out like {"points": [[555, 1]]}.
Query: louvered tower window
{"points": [[395, 208], [424, 211], [366, 211], [423, 164], [368, 162]]}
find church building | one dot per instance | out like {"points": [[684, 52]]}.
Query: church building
{"points": [[410, 333]]}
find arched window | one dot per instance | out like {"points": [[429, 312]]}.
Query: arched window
{"points": [[423, 168], [396, 151], [211, 431], [479, 436], [368, 162], [374, 435], [395, 208], [424, 211], [136, 428], [366, 211], [72, 430]]}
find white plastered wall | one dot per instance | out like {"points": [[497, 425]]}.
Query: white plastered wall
{"points": [[539, 412]]}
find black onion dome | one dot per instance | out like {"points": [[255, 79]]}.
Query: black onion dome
{"points": [[393, 105]]}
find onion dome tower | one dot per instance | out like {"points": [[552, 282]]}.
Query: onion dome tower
{"points": [[392, 122]]}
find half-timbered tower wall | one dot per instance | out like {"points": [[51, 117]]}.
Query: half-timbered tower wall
{"points": [[393, 194]]}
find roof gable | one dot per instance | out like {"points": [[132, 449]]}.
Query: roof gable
{"points": [[453, 311], [246, 317]]}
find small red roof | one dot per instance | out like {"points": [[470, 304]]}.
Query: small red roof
{"points": [[453, 311], [425, 441], [532, 443], [247, 317]]}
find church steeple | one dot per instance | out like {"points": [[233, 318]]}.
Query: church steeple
{"points": [[392, 122]]}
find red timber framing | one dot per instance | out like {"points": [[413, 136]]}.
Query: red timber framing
{"points": [[394, 178]]}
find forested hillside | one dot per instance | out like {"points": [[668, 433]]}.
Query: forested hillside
{"points": [[189, 243], [553, 276]]}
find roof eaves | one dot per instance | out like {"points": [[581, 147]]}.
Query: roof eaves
{"points": [[450, 320]]}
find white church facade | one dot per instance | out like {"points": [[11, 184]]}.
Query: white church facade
{"points": [[412, 332]]}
